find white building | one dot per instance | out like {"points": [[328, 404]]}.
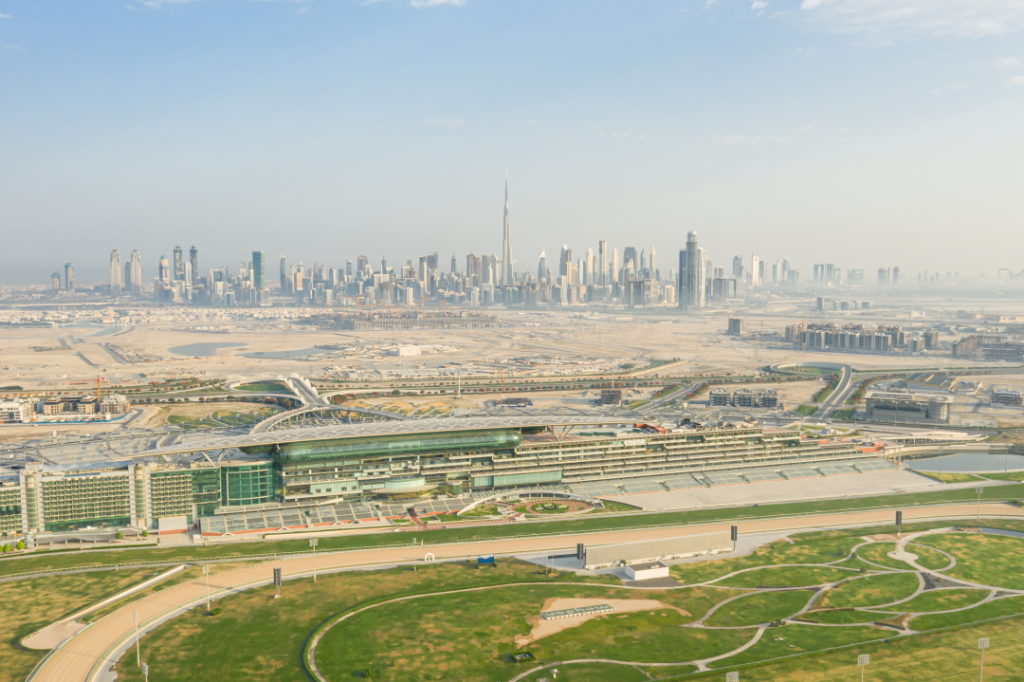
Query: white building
{"points": [[17, 411]]}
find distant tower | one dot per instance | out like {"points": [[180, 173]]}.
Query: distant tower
{"points": [[116, 274], [163, 272], [282, 275], [69, 277], [602, 264], [135, 273], [179, 263], [55, 282], [542, 267], [193, 260], [691, 274], [259, 272], [507, 275]]}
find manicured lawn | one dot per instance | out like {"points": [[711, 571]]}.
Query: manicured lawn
{"points": [[948, 477], [645, 636], [795, 639], [590, 672], [987, 559], [877, 553], [941, 600], [871, 590], [929, 557], [845, 616], [265, 387], [805, 548], [762, 608], [918, 658], [993, 609], [788, 576], [466, 636]]}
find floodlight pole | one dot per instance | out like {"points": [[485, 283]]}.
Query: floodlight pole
{"points": [[983, 643]]}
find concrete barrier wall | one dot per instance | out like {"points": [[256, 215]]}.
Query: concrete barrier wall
{"points": [[657, 550]]}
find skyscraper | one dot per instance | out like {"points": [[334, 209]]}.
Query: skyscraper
{"points": [[193, 260], [602, 264], [116, 274], [692, 292], [507, 275], [69, 277], [163, 272], [135, 273], [259, 272], [542, 267], [179, 263]]}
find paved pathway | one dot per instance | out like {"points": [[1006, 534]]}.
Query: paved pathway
{"points": [[88, 652]]}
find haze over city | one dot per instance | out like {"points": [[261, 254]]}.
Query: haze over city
{"points": [[331, 128], [511, 340]]}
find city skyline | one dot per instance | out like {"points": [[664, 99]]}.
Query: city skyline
{"points": [[361, 127]]}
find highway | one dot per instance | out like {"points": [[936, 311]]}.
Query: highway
{"points": [[85, 655], [838, 396]]}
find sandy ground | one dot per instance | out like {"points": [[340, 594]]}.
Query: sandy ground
{"points": [[762, 492], [542, 628], [542, 342], [76, 658]]}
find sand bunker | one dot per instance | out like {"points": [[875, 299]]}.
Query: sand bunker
{"points": [[542, 628]]}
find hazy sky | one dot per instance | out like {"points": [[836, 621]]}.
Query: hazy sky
{"points": [[860, 132]]}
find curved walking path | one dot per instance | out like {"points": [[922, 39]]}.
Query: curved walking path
{"points": [[83, 656]]}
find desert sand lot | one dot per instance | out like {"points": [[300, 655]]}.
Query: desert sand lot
{"points": [[539, 343], [543, 628]]}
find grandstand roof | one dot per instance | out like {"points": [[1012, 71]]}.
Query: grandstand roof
{"points": [[381, 428]]}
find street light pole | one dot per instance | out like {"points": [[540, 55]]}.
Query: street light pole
{"points": [[982, 645]]}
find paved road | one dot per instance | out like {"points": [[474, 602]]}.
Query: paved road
{"points": [[83, 656]]}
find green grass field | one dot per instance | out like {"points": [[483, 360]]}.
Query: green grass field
{"points": [[871, 590], [760, 608], [470, 635]]}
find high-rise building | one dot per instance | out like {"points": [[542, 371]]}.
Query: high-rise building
{"points": [[692, 287], [259, 271], [69, 277], [163, 273], [116, 274], [602, 263], [737, 267], [507, 274], [756, 273], [565, 261], [283, 280], [135, 274], [193, 261], [542, 267], [55, 284], [179, 264]]}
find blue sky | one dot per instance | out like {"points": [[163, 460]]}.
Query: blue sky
{"points": [[860, 132]]}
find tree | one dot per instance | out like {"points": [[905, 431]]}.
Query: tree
{"points": [[20, 544], [119, 535]]}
